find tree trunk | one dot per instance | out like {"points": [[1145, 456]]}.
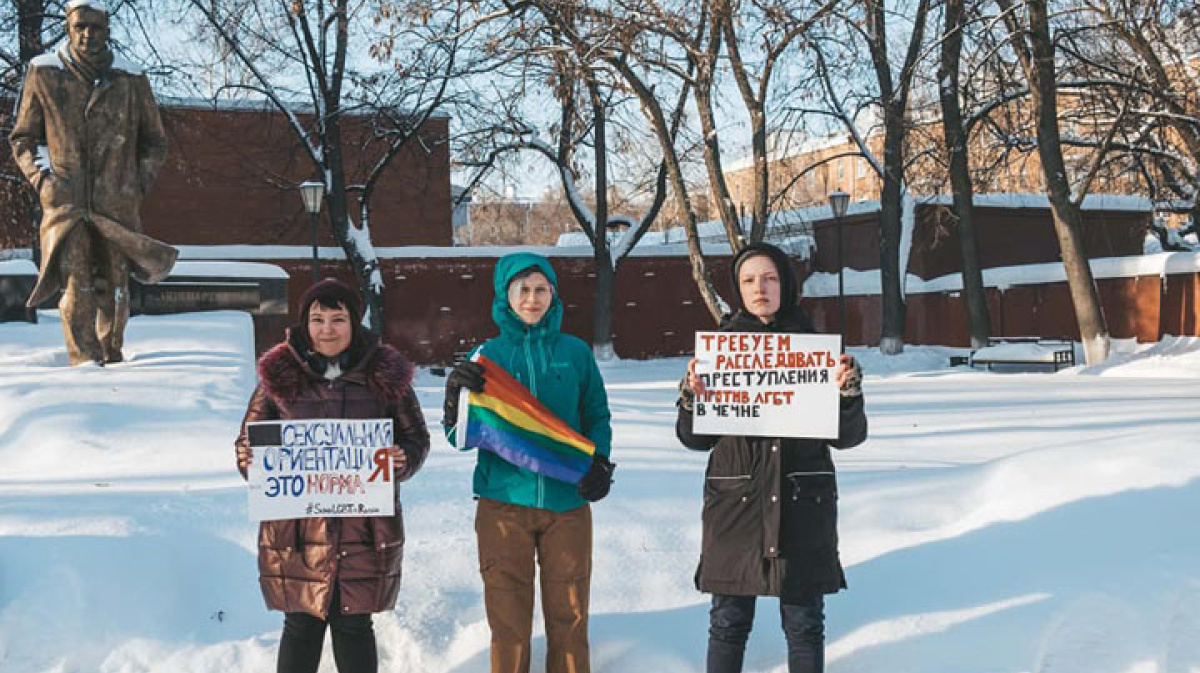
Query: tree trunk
{"points": [[893, 98], [758, 147], [602, 330], [712, 161], [974, 295], [31, 14], [658, 122], [338, 204], [1067, 218], [895, 311]]}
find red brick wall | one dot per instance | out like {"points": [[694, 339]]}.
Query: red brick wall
{"points": [[1007, 237], [231, 175], [441, 305], [437, 306], [230, 178], [1143, 308]]}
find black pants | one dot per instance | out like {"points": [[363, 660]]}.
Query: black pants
{"points": [[304, 636], [732, 617]]}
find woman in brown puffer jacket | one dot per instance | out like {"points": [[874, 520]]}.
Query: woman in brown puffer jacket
{"points": [[323, 571]]}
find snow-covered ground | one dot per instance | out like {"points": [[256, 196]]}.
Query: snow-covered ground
{"points": [[993, 522]]}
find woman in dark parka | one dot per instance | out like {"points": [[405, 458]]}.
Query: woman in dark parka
{"points": [[325, 571], [770, 504]]}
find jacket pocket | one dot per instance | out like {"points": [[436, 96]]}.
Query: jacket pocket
{"points": [[717, 484], [386, 530], [732, 467], [809, 512]]}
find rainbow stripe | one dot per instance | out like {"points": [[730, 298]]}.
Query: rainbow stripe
{"points": [[509, 421]]}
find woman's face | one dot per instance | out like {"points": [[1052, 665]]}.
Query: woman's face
{"points": [[329, 329], [758, 281], [530, 297]]}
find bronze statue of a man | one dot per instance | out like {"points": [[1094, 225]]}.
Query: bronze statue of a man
{"points": [[89, 138]]}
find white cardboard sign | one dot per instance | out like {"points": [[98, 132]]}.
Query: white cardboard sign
{"points": [[321, 467], [767, 384]]}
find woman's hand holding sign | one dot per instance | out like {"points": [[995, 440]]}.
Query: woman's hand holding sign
{"points": [[693, 381], [245, 455], [848, 376], [399, 460]]}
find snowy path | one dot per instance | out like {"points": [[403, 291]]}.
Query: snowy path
{"points": [[1022, 522]]}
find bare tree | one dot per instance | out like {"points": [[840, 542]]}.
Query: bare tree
{"points": [[1035, 48], [959, 169], [1160, 42], [758, 35], [628, 36], [683, 59], [864, 26], [419, 56], [559, 35]]}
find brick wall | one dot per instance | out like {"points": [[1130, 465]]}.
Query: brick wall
{"points": [[441, 305], [231, 176]]}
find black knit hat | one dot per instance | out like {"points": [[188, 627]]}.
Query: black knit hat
{"points": [[331, 293], [788, 287]]}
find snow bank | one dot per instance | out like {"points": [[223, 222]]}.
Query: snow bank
{"points": [[1171, 357], [184, 383], [192, 269]]}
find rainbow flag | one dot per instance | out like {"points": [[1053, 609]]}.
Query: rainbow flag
{"points": [[509, 421]]}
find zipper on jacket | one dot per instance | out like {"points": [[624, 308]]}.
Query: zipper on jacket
{"points": [[540, 493], [530, 366], [736, 476]]}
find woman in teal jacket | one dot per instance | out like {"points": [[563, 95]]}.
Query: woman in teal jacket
{"points": [[523, 515]]}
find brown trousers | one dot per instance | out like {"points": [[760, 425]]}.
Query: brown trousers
{"points": [[510, 536], [95, 299]]}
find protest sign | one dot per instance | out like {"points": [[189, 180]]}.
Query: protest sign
{"points": [[767, 384], [321, 467]]}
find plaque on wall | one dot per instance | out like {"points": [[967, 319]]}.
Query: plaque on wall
{"points": [[179, 296]]}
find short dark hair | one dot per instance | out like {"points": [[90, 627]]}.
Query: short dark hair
{"points": [[331, 293]]}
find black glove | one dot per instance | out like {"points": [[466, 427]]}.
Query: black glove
{"points": [[467, 375], [598, 480]]}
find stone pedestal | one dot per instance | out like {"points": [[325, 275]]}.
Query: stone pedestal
{"points": [[17, 279]]}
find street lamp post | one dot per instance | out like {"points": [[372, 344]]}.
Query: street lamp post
{"points": [[312, 192], [838, 201]]}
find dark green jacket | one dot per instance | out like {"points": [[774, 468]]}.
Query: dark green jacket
{"points": [[560, 370]]}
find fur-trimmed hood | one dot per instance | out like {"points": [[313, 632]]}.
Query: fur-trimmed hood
{"points": [[283, 374]]}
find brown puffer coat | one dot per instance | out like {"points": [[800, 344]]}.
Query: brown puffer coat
{"points": [[104, 144], [300, 559]]}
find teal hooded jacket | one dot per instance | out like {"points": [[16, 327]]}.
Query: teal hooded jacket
{"points": [[560, 370]]}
